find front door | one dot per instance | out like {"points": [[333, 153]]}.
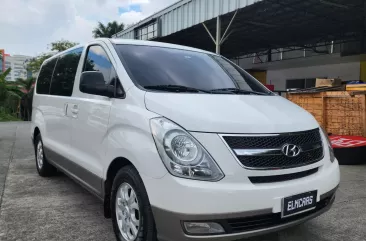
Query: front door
{"points": [[90, 121]]}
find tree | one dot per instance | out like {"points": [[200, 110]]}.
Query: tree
{"points": [[34, 64], [8, 88], [25, 84], [9, 95], [107, 31], [62, 45]]}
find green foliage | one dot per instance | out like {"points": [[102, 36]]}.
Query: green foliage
{"points": [[10, 95], [107, 31], [62, 45], [5, 116], [4, 74]]}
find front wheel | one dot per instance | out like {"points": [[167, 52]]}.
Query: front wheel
{"points": [[132, 217]]}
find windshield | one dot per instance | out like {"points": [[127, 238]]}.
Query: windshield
{"points": [[176, 70]]}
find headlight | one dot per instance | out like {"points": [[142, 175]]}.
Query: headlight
{"points": [[329, 144], [182, 155]]}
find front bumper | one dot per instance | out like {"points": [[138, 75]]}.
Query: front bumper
{"points": [[173, 226], [174, 200]]}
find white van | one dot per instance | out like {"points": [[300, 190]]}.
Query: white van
{"points": [[180, 144]]}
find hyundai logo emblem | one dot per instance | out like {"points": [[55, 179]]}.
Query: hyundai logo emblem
{"points": [[291, 150]]}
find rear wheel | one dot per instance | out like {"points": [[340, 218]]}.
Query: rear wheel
{"points": [[132, 217], [44, 168]]}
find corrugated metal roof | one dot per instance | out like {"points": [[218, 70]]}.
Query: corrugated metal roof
{"points": [[187, 13]]}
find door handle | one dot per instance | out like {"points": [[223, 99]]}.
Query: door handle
{"points": [[75, 109]]}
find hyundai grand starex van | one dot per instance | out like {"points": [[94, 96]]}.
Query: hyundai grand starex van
{"points": [[179, 143]]}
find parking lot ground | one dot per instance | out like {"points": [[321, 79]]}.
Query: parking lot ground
{"points": [[34, 208]]}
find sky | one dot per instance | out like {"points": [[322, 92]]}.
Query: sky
{"points": [[27, 27]]}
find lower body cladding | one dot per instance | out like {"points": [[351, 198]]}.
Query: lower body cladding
{"points": [[189, 210]]}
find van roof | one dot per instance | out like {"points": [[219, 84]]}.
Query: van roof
{"points": [[133, 42]]}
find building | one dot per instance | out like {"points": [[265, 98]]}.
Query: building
{"points": [[286, 43], [18, 65]]}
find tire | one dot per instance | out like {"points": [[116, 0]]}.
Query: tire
{"points": [[129, 179], [44, 168]]}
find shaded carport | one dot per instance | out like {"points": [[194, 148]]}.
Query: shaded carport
{"points": [[274, 24]]}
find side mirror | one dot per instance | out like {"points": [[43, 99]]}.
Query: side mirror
{"points": [[92, 82]]}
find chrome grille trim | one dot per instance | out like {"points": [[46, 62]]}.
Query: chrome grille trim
{"points": [[277, 151], [311, 146], [257, 152]]}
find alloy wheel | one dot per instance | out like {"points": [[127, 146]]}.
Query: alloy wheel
{"points": [[127, 212]]}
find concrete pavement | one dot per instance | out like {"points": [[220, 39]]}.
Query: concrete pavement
{"points": [[34, 208]]}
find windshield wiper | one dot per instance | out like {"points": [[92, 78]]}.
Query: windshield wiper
{"points": [[237, 91], [175, 88]]}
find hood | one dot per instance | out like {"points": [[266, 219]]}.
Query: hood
{"points": [[231, 113]]}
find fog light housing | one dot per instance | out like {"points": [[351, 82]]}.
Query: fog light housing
{"points": [[202, 228]]}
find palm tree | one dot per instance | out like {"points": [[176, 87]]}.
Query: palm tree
{"points": [[7, 89], [107, 31], [25, 84]]}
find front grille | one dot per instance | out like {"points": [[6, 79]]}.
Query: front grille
{"points": [[268, 149], [247, 224], [273, 141], [282, 178]]}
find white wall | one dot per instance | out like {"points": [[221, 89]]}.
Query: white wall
{"points": [[345, 71]]}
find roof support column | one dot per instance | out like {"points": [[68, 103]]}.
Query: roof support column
{"points": [[218, 35], [219, 40]]}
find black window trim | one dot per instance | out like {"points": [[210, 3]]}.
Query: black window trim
{"points": [[115, 70]]}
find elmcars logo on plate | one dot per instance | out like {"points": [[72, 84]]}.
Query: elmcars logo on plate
{"points": [[291, 150]]}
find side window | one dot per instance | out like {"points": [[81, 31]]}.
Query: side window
{"points": [[97, 60], [45, 76], [64, 76]]}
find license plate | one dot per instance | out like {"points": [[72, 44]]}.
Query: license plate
{"points": [[299, 203]]}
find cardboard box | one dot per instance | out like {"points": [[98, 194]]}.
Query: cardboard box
{"points": [[328, 82]]}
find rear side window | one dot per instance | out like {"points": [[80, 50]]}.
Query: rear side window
{"points": [[45, 76], [64, 76]]}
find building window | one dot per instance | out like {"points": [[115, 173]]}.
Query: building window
{"points": [[147, 32]]}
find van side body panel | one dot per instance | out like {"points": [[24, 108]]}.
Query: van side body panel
{"points": [[129, 135]]}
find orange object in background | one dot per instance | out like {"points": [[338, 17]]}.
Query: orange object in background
{"points": [[260, 75], [2, 60]]}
